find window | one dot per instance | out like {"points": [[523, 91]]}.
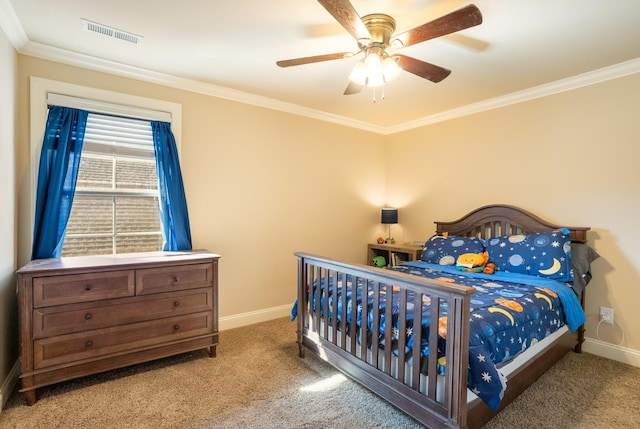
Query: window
{"points": [[45, 92], [115, 208]]}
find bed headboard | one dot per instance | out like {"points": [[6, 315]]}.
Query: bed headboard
{"points": [[498, 220]]}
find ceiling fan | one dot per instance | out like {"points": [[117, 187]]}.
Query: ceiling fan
{"points": [[374, 35]]}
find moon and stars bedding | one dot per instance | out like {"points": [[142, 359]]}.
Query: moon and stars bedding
{"points": [[509, 313]]}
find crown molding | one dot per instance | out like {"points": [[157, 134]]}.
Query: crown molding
{"points": [[585, 79], [11, 25], [18, 38], [51, 53]]}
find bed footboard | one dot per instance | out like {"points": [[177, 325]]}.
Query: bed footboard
{"points": [[375, 353]]}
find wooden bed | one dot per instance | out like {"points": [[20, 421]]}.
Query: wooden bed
{"points": [[437, 402]]}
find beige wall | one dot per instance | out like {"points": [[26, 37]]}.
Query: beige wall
{"points": [[8, 299], [571, 158], [260, 185]]}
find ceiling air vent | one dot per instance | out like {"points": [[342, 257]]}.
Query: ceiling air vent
{"points": [[114, 33]]}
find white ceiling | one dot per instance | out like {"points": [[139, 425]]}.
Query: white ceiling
{"points": [[230, 48]]}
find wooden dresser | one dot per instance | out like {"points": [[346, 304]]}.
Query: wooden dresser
{"points": [[83, 315]]}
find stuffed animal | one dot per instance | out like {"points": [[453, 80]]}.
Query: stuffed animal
{"points": [[379, 261], [472, 262], [490, 268]]}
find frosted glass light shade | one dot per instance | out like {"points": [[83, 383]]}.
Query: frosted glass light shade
{"points": [[372, 71], [390, 69]]}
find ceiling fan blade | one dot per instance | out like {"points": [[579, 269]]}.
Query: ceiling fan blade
{"points": [[344, 12], [466, 17], [353, 88], [314, 59], [423, 69]]}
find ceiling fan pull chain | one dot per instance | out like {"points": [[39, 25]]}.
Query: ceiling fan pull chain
{"points": [[375, 89]]}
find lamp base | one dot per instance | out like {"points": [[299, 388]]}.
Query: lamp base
{"points": [[389, 240]]}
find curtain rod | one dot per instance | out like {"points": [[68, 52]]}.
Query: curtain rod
{"points": [[103, 107]]}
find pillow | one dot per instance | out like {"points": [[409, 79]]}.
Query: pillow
{"points": [[444, 250], [546, 254], [581, 258]]}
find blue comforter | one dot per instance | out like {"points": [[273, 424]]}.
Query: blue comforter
{"points": [[509, 312]]}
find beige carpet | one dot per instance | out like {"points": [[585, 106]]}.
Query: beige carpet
{"points": [[257, 381]]}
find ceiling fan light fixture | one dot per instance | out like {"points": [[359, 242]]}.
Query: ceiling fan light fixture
{"points": [[373, 63], [358, 74], [375, 69], [390, 69]]}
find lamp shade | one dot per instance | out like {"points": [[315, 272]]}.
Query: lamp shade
{"points": [[389, 216]]}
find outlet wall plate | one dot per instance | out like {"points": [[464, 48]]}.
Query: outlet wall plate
{"points": [[606, 315]]}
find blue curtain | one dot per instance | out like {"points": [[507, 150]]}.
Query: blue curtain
{"points": [[176, 232], [57, 174]]}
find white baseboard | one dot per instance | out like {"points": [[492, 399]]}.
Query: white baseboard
{"points": [[244, 319], [612, 351], [593, 346], [9, 383]]}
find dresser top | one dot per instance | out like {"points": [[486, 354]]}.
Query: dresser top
{"points": [[120, 260]]}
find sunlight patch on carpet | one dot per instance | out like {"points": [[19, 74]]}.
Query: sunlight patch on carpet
{"points": [[324, 385]]}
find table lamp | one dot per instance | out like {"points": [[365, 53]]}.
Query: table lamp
{"points": [[389, 217]]}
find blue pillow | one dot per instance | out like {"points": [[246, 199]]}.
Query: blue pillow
{"points": [[444, 250], [546, 254]]}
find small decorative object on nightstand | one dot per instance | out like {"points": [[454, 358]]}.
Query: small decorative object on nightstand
{"points": [[393, 254]]}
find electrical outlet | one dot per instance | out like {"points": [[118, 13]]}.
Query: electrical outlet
{"points": [[606, 315]]}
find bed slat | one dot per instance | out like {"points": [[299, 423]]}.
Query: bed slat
{"points": [[417, 332]]}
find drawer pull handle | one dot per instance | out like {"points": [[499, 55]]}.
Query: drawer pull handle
{"points": [[88, 316], [87, 287], [176, 304], [176, 279], [176, 327], [88, 344]]}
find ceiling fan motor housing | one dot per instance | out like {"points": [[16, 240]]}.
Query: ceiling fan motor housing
{"points": [[380, 26]]}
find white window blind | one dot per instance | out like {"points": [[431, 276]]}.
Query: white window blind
{"points": [[118, 135]]}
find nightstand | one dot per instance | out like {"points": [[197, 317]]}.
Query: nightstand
{"points": [[394, 253]]}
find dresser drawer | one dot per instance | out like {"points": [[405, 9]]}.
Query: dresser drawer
{"points": [[57, 290], [51, 321], [178, 277], [92, 344]]}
